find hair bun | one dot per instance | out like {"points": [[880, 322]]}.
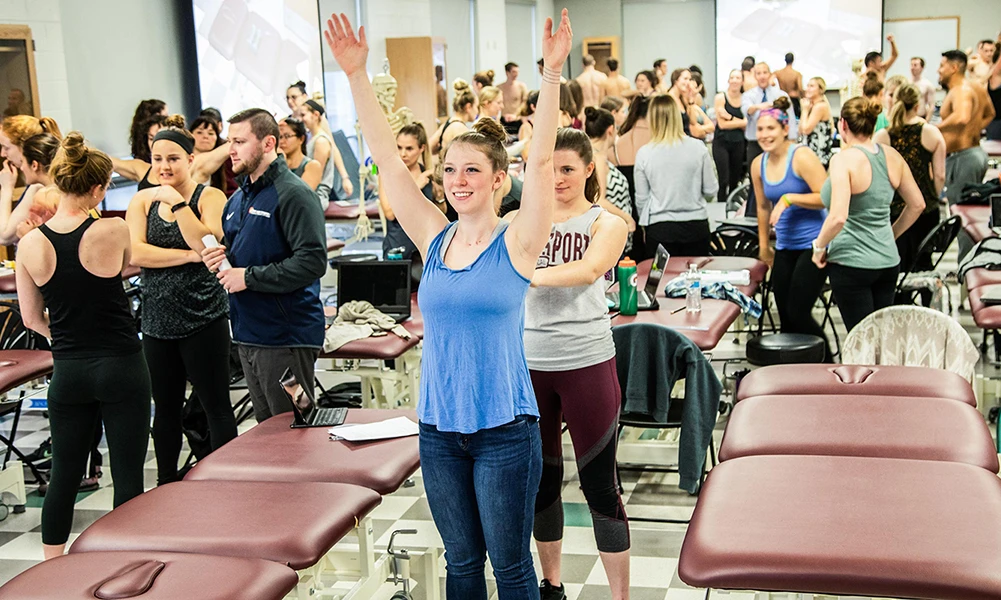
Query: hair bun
{"points": [[490, 74], [174, 121], [781, 103], [74, 150], [460, 85], [872, 110], [590, 112], [491, 129]]}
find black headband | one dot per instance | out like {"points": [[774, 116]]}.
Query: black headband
{"points": [[315, 106], [177, 137]]}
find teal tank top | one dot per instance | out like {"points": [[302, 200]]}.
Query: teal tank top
{"points": [[866, 241], [474, 374]]}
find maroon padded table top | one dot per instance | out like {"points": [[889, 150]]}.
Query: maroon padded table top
{"points": [[991, 147], [272, 451], [334, 244], [856, 425], [385, 347], [855, 379], [289, 523], [705, 328], [82, 576], [336, 211], [18, 367], [677, 265], [980, 277], [971, 213], [847, 526], [986, 317]]}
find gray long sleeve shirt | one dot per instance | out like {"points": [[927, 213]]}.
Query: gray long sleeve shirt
{"points": [[673, 181]]}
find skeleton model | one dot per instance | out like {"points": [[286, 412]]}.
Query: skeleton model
{"points": [[385, 87]]}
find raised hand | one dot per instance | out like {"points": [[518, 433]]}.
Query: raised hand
{"points": [[351, 52], [556, 45]]}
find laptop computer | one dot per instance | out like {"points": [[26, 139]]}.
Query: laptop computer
{"points": [[384, 283], [647, 297], [318, 417]]}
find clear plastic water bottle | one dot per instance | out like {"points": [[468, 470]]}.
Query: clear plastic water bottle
{"points": [[693, 296]]}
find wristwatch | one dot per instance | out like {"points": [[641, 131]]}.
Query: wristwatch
{"points": [[817, 249], [178, 206]]}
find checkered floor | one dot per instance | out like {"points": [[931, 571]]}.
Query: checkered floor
{"points": [[655, 547]]}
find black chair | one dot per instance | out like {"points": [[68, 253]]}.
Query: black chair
{"points": [[738, 197], [932, 248], [734, 240], [624, 337]]}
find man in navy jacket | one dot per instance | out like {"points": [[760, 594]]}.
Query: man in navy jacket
{"points": [[275, 241]]}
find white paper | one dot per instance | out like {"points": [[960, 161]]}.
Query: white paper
{"points": [[380, 430]]}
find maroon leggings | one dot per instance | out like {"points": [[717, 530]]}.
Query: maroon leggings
{"points": [[588, 400]]}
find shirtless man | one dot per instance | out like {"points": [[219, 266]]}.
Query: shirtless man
{"points": [[791, 82], [514, 92], [963, 115], [747, 70], [979, 64], [590, 82], [874, 60], [660, 70], [926, 89], [616, 84]]}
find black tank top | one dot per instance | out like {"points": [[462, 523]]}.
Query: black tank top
{"points": [[89, 316], [178, 301], [145, 183], [730, 135]]}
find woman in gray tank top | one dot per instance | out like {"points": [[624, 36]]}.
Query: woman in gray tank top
{"points": [[292, 143], [322, 149], [571, 358], [857, 238]]}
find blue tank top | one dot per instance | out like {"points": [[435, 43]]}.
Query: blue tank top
{"points": [[798, 226], [473, 370]]}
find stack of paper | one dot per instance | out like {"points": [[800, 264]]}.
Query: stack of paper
{"points": [[380, 430]]}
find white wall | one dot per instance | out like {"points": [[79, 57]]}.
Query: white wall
{"points": [[491, 37], [109, 74], [978, 19], [44, 18], [451, 20], [522, 43], [688, 36]]}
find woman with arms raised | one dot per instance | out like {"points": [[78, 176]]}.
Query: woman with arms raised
{"points": [[479, 433]]}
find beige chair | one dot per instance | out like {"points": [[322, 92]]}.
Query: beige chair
{"points": [[912, 336]]}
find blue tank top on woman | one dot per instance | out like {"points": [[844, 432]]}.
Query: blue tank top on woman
{"points": [[798, 226], [473, 370]]}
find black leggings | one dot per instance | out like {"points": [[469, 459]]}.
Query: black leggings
{"points": [[752, 151], [729, 159], [796, 285], [680, 238], [203, 359], [861, 292], [83, 392], [588, 400]]}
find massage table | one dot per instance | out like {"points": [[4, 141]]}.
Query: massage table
{"points": [[18, 368], [847, 526], [991, 147], [295, 524], [151, 575], [855, 379], [907, 427], [345, 210], [273, 451]]}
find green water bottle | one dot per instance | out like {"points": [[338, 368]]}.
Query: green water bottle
{"points": [[627, 286]]}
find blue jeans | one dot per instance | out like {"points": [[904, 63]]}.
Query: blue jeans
{"points": [[481, 489]]}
